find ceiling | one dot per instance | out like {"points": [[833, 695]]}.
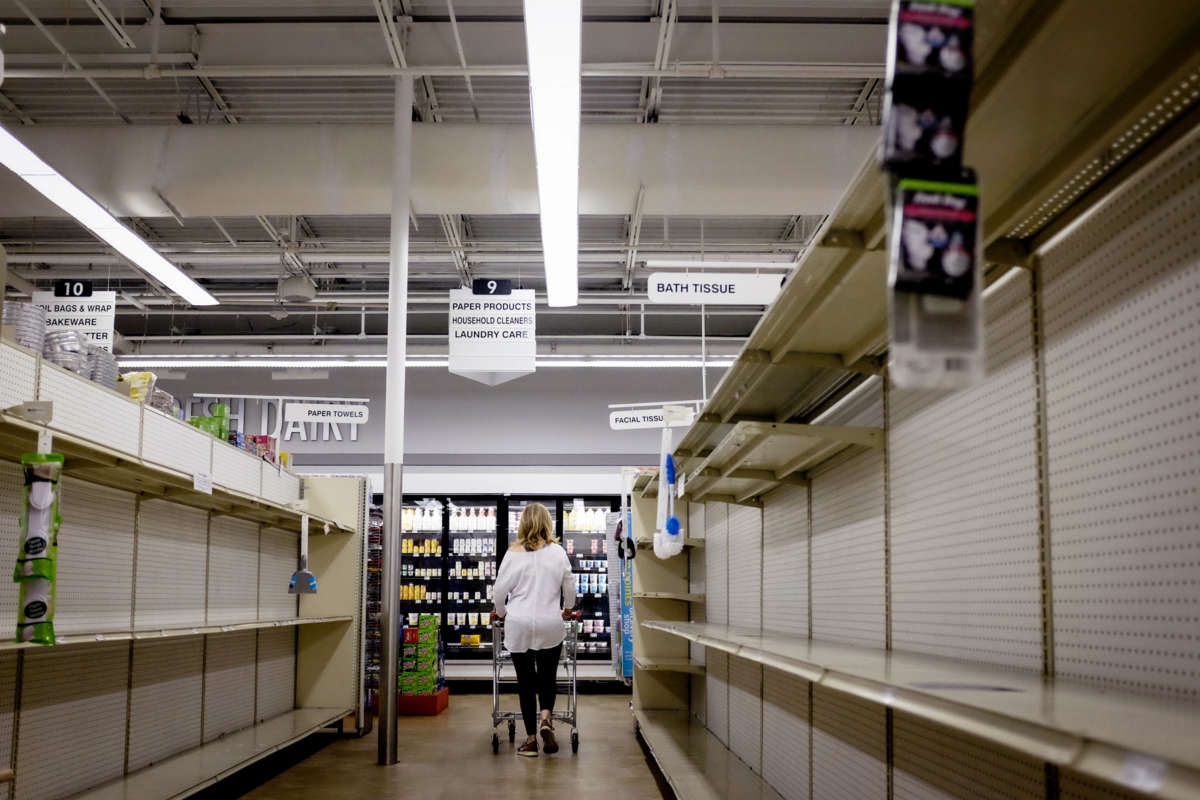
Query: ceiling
{"points": [[736, 66]]}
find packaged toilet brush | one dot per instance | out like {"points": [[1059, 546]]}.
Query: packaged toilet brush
{"points": [[40, 519]]}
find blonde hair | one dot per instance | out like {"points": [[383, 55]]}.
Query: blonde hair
{"points": [[537, 527]]}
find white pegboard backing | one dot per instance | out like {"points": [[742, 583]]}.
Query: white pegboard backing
{"points": [[716, 695], [167, 699], [746, 711], [696, 611], [277, 562], [89, 411], [8, 688], [963, 476], [228, 682], [847, 552], [18, 375], [279, 485], [861, 407], [716, 562], [695, 527], [236, 469], [232, 571], [12, 487], [72, 734], [785, 561], [276, 672], [931, 762], [1073, 786], [849, 754], [1121, 298], [745, 566], [786, 734], [94, 591], [172, 565], [176, 445]]}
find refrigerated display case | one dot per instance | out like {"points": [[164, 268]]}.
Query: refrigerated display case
{"points": [[422, 559], [584, 527], [471, 562]]}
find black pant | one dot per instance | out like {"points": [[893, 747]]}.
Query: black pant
{"points": [[537, 671]]}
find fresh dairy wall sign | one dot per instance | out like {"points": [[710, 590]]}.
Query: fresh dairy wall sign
{"points": [[493, 338]]}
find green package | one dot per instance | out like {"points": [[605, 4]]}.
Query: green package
{"points": [[35, 620], [40, 518]]}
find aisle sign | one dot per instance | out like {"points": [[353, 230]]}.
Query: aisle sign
{"points": [[635, 419], [325, 412], [493, 339], [93, 316], [713, 289]]}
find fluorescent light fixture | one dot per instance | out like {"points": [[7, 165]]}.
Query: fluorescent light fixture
{"points": [[554, 42], [67, 196], [683, 263], [294, 362]]}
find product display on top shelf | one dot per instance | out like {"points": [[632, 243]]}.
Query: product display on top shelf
{"points": [[470, 574]]}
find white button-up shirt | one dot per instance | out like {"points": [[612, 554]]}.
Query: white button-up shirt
{"points": [[527, 592]]}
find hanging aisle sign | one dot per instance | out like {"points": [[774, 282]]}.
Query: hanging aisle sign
{"points": [[638, 418], [713, 289], [94, 316], [356, 414], [493, 339]]}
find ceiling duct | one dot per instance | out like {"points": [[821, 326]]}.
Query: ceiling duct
{"points": [[296, 289]]}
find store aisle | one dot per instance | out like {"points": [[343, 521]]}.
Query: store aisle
{"points": [[449, 757]]}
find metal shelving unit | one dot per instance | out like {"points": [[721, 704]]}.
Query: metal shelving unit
{"points": [[180, 655]]}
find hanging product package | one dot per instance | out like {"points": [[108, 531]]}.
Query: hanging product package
{"points": [[40, 519], [935, 277], [35, 624], [929, 73]]}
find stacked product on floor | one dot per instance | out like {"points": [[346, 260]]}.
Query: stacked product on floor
{"points": [[422, 677], [587, 546], [374, 631], [470, 575]]}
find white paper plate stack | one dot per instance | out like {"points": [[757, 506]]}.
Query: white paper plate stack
{"points": [[68, 349], [29, 321]]}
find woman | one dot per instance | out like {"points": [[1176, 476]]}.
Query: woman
{"points": [[535, 592]]}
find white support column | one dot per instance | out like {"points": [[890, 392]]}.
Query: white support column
{"points": [[393, 445]]}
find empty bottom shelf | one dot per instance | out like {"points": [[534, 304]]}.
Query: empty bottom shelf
{"points": [[196, 769], [695, 763]]}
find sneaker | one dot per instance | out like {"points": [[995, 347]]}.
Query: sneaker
{"points": [[549, 744], [529, 749]]}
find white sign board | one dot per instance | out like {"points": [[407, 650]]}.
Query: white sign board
{"points": [[93, 316], [713, 289], [493, 338], [628, 420], [325, 412]]}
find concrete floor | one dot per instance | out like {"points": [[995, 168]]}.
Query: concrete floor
{"points": [[449, 757]]}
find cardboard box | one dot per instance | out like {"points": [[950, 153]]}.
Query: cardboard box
{"points": [[427, 705]]}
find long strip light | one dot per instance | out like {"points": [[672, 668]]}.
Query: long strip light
{"points": [[71, 199], [577, 362], [554, 43]]}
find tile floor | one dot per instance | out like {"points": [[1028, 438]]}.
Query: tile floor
{"points": [[449, 757]]}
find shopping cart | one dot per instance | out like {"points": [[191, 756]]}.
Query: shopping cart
{"points": [[568, 686]]}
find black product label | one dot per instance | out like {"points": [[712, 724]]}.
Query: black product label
{"points": [[35, 609], [934, 37], [35, 546], [935, 237], [924, 124]]}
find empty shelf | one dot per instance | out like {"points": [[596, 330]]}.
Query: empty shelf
{"points": [[695, 763], [669, 665], [682, 596], [168, 633], [1101, 731], [687, 542], [196, 769]]}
